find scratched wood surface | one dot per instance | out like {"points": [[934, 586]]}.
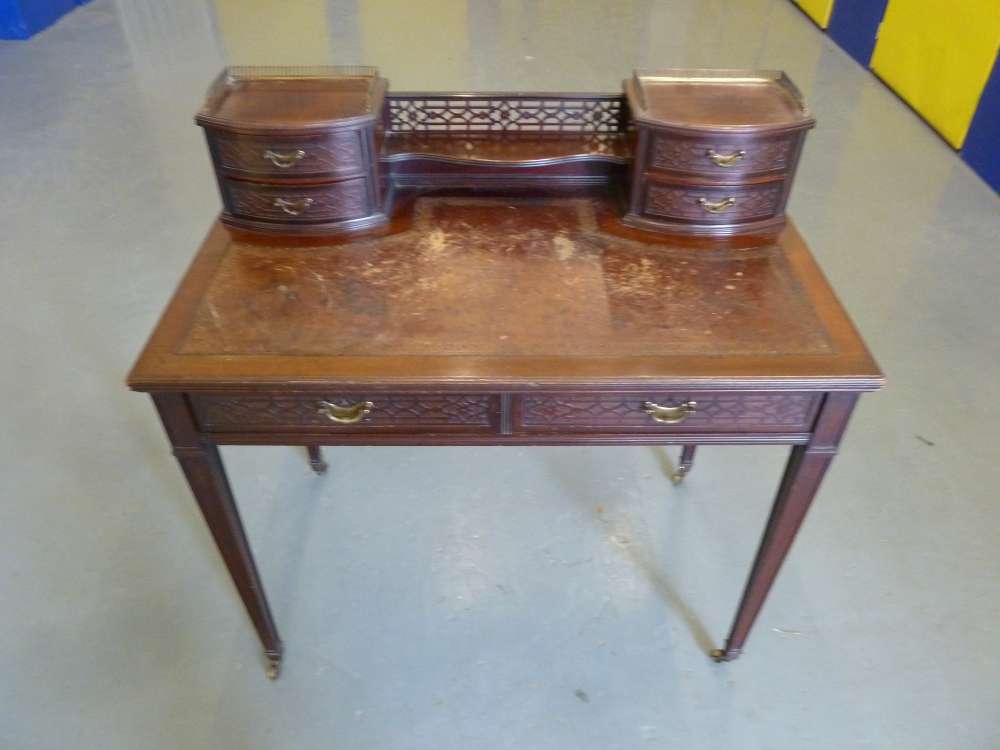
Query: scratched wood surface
{"points": [[491, 288], [502, 278]]}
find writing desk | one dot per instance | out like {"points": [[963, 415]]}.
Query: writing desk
{"points": [[503, 321]]}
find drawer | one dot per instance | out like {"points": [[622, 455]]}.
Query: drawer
{"points": [[659, 411], [716, 204], [378, 412], [339, 153], [348, 199], [721, 155]]}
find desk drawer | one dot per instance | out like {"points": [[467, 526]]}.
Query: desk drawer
{"points": [[714, 204], [660, 411], [348, 199], [361, 412], [721, 155], [336, 153]]}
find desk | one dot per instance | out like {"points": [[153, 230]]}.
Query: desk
{"points": [[503, 321]]}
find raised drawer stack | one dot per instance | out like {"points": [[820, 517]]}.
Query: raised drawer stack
{"points": [[716, 150], [321, 150], [294, 148]]}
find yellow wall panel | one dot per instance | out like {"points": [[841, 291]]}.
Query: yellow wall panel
{"points": [[937, 55], [817, 10]]}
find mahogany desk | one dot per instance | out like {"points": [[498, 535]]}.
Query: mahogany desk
{"points": [[496, 321]]}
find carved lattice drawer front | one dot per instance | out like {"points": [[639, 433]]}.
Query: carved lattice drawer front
{"points": [[337, 153], [721, 155], [659, 411], [361, 412], [714, 205], [348, 199]]}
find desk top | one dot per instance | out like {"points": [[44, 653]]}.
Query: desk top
{"points": [[503, 293]]}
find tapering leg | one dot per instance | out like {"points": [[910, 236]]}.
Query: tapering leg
{"points": [[803, 475], [316, 459], [685, 465], [206, 476]]}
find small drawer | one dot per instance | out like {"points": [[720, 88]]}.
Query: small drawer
{"points": [[338, 154], [658, 411], [721, 155], [378, 412], [348, 199], [714, 205]]}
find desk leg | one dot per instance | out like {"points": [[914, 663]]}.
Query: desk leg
{"points": [[803, 475], [206, 476], [316, 459]]}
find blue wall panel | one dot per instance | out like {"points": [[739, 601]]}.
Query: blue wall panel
{"points": [[854, 26], [20, 19], [982, 145]]}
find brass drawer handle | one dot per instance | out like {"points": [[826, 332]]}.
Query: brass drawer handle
{"points": [[670, 414], [345, 414], [284, 161], [717, 208], [293, 207], [725, 160]]}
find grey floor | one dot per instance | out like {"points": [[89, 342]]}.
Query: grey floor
{"points": [[481, 598]]}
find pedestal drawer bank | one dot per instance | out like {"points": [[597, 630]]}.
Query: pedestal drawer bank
{"points": [[321, 151]]}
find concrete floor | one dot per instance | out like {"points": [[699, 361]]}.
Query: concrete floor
{"points": [[480, 598]]}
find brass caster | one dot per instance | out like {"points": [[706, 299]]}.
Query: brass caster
{"points": [[319, 467], [719, 655], [684, 465], [273, 668]]}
